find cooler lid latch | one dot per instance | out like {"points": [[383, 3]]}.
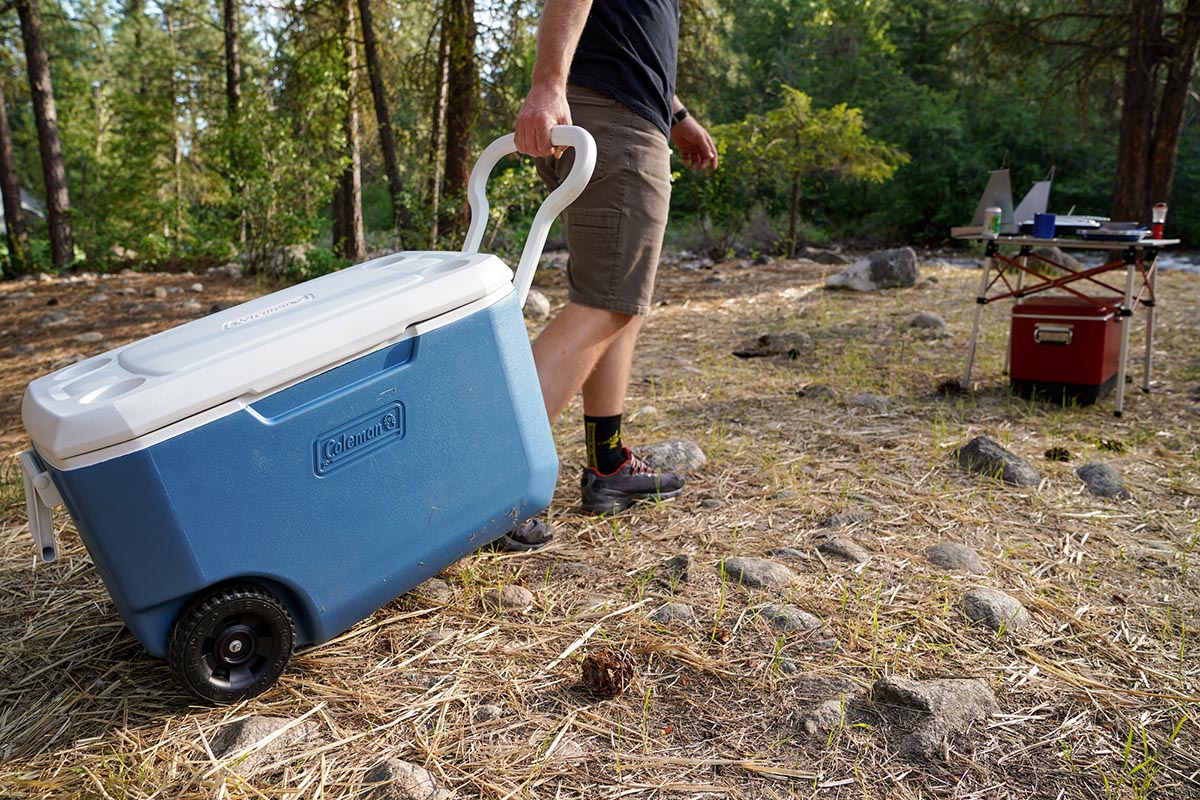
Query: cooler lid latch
{"points": [[41, 495]]}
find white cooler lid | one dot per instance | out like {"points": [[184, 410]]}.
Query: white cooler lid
{"points": [[251, 349]]}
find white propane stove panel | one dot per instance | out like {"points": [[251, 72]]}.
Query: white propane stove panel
{"points": [[251, 349]]}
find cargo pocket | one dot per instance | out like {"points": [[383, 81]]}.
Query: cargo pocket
{"points": [[593, 236]]}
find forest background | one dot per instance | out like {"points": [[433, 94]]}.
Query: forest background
{"points": [[175, 133]]}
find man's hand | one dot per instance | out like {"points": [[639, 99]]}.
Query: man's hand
{"points": [[696, 147], [543, 109], [546, 106]]}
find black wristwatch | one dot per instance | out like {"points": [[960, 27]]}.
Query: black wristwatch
{"points": [[679, 116]]}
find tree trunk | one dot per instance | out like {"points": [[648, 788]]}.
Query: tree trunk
{"points": [[233, 104], [462, 109], [58, 202], [1169, 125], [437, 139], [19, 257], [353, 244], [401, 218], [793, 214]]}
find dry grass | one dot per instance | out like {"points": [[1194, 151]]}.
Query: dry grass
{"points": [[1099, 696]]}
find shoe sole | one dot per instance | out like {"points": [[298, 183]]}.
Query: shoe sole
{"points": [[618, 503]]}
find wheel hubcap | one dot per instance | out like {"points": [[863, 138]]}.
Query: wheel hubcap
{"points": [[235, 645]]}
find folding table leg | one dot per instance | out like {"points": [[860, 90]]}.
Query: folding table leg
{"points": [[980, 301], [1126, 322], [1023, 259], [1152, 276]]}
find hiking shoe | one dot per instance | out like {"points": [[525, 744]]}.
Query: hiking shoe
{"points": [[532, 534], [632, 481]]}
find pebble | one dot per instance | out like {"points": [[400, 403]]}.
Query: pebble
{"points": [[509, 598], [677, 455], [1103, 481], [435, 589], [52, 319], [196, 287], [679, 566], [90, 337], [711, 503], [674, 612], [984, 456], [844, 550], [394, 779], [874, 402], [995, 610], [954, 556], [757, 573], [488, 712]]}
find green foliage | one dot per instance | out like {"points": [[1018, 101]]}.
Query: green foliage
{"points": [[776, 155]]}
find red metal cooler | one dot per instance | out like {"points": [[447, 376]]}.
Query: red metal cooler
{"points": [[1065, 348]]}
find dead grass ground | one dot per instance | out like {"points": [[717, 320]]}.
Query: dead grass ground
{"points": [[1099, 696]]}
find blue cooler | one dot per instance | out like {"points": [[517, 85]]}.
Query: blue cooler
{"points": [[272, 474]]}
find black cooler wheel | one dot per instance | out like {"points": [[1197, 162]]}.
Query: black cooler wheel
{"points": [[231, 643]]}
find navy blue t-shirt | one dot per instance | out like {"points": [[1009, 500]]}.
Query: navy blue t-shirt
{"points": [[628, 51]]}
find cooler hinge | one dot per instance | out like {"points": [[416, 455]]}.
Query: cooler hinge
{"points": [[41, 495]]}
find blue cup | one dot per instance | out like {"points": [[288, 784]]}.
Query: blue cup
{"points": [[1043, 226]]}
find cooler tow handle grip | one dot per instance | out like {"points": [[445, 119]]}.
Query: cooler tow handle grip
{"points": [[41, 495], [552, 206]]}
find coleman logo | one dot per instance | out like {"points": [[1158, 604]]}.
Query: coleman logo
{"points": [[257, 315], [359, 438]]}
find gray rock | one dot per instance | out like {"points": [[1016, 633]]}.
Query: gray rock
{"points": [[91, 337], [1103, 481], [674, 456], [757, 573], [158, 292], [23, 349], [508, 598], [399, 780], [818, 391], [131, 308], [52, 319], [822, 719], [874, 402], [435, 589], [536, 305], [244, 743], [926, 713], [196, 287], [762, 260], [844, 549], [995, 610], [929, 323], [219, 307], [954, 556], [674, 612], [191, 307], [883, 269], [125, 291], [678, 567], [99, 297], [987, 457], [712, 503], [790, 619], [488, 712], [846, 518], [788, 554], [766, 345], [821, 256]]}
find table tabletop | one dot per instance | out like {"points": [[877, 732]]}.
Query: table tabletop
{"points": [[1072, 242]]}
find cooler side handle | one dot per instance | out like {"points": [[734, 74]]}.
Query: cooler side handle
{"points": [[41, 495], [552, 206]]}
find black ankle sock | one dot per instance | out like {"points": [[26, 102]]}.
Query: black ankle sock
{"points": [[604, 450]]}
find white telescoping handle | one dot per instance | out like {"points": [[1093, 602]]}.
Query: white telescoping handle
{"points": [[552, 206], [41, 495]]}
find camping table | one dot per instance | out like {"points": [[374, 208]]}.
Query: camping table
{"points": [[1139, 260]]}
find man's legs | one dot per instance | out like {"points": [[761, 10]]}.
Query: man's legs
{"points": [[586, 348]]}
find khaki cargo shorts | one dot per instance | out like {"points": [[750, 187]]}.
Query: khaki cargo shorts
{"points": [[615, 229]]}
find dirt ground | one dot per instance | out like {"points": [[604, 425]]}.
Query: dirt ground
{"points": [[1096, 697]]}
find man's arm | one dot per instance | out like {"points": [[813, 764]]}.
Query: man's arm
{"points": [[696, 147], [546, 105]]}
